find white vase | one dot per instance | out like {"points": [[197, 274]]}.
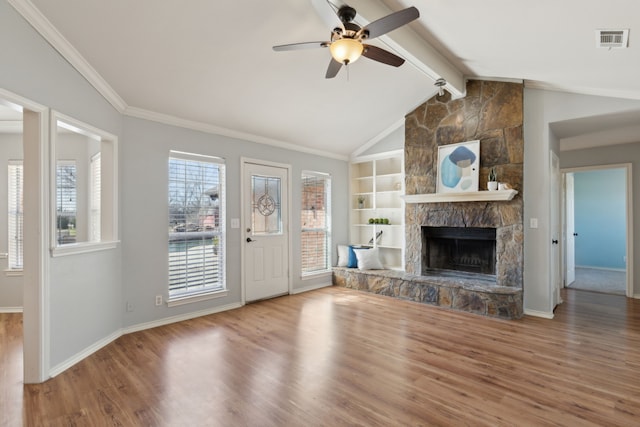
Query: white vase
{"points": [[492, 185]]}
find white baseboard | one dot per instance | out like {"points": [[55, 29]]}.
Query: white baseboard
{"points": [[536, 313], [10, 309], [179, 318], [636, 296], [618, 270], [310, 288], [84, 354]]}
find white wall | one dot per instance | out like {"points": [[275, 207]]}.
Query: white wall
{"points": [[10, 286], [144, 201], [542, 109]]}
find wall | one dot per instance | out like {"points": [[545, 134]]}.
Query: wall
{"points": [[541, 109], [85, 293], [11, 288], [393, 141], [600, 218], [144, 200]]}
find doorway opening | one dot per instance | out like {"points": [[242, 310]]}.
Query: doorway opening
{"points": [[597, 229]]}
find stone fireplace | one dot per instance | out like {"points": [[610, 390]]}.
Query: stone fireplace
{"points": [[463, 255]]}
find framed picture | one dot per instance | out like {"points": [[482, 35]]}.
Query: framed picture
{"points": [[458, 167]]}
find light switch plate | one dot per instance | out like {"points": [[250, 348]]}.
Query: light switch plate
{"points": [[235, 222], [533, 222]]}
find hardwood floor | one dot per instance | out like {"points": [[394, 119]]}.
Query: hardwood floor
{"points": [[341, 357]]}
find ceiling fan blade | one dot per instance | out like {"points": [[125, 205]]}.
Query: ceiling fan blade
{"points": [[381, 55], [300, 46], [391, 22], [332, 70]]}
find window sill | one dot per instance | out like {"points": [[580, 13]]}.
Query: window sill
{"points": [[176, 301], [13, 272], [84, 247], [316, 275]]}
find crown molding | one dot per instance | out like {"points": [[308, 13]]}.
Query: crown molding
{"points": [[622, 94], [46, 29], [217, 130], [373, 141]]}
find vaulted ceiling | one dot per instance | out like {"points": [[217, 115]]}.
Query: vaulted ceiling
{"points": [[210, 64]]}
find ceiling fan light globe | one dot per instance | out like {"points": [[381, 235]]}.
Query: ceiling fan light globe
{"points": [[346, 51]]}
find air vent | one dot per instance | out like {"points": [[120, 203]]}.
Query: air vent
{"points": [[612, 39]]}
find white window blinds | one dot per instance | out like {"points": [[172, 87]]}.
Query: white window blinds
{"points": [[196, 224], [66, 201], [94, 198], [15, 217], [316, 222]]}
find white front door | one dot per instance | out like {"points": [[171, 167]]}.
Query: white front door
{"points": [[266, 231]]}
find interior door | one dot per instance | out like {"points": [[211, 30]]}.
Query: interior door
{"points": [[570, 231], [266, 234], [554, 229]]}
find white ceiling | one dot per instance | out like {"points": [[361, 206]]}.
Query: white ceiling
{"points": [[211, 62]]}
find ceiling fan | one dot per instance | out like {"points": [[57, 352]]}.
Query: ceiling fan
{"points": [[346, 44]]}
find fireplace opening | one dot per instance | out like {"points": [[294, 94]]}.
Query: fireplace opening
{"points": [[459, 249]]}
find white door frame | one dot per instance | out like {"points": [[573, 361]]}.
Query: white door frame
{"points": [[35, 303], [629, 216], [244, 225]]}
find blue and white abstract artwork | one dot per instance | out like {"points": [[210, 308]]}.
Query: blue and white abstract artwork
{"points": [[458, 167]]}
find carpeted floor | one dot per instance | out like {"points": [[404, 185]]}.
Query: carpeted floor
{"points": [[606, 281]]}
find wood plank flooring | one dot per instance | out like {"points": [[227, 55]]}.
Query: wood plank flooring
{"points": [[337, 357]]}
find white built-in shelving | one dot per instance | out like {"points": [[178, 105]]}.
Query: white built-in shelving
{"points": [[379, 181]]}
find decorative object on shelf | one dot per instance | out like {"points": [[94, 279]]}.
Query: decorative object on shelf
{"points": [[503, 186], [372, 221], [492, 185], [361, 200], [378, 234], [458, 167]]}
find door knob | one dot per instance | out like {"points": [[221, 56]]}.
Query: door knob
{"points": [[249, 240], [575, 234], [554, 241]]}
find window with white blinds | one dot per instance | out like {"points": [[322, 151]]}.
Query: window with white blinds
{"points": [[15, 214], [316, 222], [94, 198], [66, 201], [196, 224]]}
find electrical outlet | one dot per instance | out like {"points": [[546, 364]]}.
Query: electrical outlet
{"points": [[158, 300], [129, 307]]}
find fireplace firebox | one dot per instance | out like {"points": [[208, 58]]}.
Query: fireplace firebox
{"points": [[459, 249]]}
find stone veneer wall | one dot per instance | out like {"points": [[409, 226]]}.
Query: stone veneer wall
{"points": [[493, 113]]}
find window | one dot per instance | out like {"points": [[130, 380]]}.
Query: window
{"points": [[66, 201], [316, 222], [196, 225], [84, 187], [15, 216]]}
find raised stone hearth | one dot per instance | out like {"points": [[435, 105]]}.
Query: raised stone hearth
{"points": [[461, 293]]}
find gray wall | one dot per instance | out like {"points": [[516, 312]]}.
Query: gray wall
{"points": [[393, 141], [144, 204], [541, 109], [85, 291]]}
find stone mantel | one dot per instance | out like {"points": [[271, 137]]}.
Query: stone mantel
{"points": [[471, 196]]}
